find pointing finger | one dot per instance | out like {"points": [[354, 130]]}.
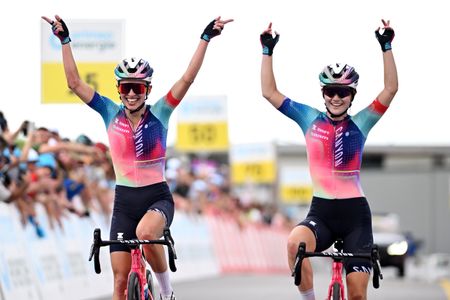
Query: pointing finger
{"points": [[227, 21], [49, 21]]}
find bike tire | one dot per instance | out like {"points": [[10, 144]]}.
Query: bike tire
{"points": [[336, 294], [151, 287], [133, 287]]}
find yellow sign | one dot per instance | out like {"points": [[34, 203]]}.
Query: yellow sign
{"points": [[100, 76], [298, 194], [256, 172], [202, 136]]}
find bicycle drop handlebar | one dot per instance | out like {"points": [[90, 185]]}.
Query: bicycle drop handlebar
{"points": [[374, 257], [98, 243]]}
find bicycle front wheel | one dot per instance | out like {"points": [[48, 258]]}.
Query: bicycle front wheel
{"points": [[151, 288], [336, 291], [134, 287]]}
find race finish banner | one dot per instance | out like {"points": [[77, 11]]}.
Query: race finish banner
{"points": [[253, 163], [97, 48], [202, 124], [295, 185]]}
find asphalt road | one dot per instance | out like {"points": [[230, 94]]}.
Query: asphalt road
{"points": [[257, 287]]}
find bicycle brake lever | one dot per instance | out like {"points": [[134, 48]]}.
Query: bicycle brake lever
{"points": [[91, 254], [295, 264], [168, 236]]}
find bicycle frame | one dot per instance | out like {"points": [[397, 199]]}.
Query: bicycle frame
{"points": [[137, 261], [336, 278], [138, 267], [337, 266]]}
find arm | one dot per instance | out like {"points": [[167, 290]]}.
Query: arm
{"points": [[74, 82], [390, 70], [11, 137], [68, 146], [180, 88], [268, 83], [27, 146]]}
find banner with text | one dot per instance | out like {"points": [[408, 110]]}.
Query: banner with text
{"points": [[295, 185], [253, 163], [202, 124], [97, 47]]}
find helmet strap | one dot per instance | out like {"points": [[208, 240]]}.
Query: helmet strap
{"points": [[132, 111], [341, 114], [338, 115]]}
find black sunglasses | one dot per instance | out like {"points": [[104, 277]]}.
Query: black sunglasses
{"points": [[342, 92]]}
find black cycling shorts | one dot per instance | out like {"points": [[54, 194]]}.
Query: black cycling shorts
{"points": [[131, 204], [348, 219]]}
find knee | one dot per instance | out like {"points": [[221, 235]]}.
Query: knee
{"points": [[356, 294], [120, 282], [356, 297], [145, 234], [292, 247]]}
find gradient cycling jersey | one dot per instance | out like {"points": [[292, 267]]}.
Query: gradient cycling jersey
{"points": [[334, 147], [138, 156]]}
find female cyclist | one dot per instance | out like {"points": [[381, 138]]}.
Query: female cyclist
{"points": [[334, 141], [143, 204]]}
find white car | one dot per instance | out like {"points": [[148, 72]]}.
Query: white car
{"points": [[393, 245]]}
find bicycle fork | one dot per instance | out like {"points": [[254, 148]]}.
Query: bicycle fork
{"points": [[138, 267], [336, 279]]}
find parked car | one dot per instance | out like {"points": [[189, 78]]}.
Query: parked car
{"points": [[392, 243]]}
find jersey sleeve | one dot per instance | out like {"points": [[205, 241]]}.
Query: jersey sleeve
{"points": [[369, 116], [105, 107], [164, 107], [302, 114]]}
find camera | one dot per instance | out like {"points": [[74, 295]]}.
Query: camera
{"points": [[3, 122], [27, 127]]}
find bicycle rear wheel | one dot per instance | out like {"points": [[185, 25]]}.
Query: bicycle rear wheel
{"points": [[134, 287], [151, 288], [336, 294]]}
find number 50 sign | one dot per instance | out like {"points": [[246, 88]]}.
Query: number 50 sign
{"points": [[202, 124]]}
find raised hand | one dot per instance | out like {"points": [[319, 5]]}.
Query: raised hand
{"points": [[268, 41], [214, 28], [59, 29], [386, 38]]}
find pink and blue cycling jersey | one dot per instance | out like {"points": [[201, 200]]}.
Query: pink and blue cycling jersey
{"points": [[138, 155], [334, 147]]}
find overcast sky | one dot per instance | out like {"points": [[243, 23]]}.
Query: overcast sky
{"points": [[313, 34]]}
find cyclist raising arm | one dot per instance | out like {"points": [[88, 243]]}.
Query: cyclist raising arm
{"points": [[334, 142], [143, 204]]}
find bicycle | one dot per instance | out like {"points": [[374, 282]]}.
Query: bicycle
{"points": [[336, 289], [139, 276]]}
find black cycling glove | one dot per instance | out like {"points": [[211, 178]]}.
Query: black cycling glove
{"points": [[386, 38], [63, 35], [210, 32], [268, 42]]}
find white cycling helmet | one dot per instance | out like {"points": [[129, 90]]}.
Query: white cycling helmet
{"points": [[134, 68], [339, 74]]}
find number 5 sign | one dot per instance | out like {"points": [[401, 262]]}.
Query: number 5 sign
{"points": [[97, 46], [202, 124]]}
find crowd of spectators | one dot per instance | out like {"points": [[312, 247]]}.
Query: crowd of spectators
{"points": [[39, 167]]}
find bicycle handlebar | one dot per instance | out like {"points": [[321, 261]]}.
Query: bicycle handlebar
{"points": [[98, 243], [373, 256]]}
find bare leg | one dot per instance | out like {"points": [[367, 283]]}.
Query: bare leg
{"points": [[357, 283], [302, 234], [151, 227], [121, 265]]}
